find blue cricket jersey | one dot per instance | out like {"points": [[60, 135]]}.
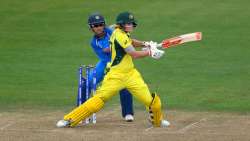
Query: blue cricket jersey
{"points": [[98, 44]]}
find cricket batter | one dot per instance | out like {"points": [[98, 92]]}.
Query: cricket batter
{"points": [[122, 74], [101, 46]]}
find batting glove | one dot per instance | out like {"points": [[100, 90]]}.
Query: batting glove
{"points": [[149, 43], [154, 52]]}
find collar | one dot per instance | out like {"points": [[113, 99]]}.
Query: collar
{"points": [[127, 33]]}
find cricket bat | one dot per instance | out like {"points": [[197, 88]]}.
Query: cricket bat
{"points": [[167, 43]]}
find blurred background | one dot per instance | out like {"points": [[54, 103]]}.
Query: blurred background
{"points": [[43, 43]]}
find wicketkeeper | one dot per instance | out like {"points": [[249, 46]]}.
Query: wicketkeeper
{"points": [[122, 74]]}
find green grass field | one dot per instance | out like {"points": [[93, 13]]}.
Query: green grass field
{"points": [[42, 44]]}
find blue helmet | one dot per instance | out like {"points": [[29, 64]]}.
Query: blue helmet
{"points": [[95, 18]]}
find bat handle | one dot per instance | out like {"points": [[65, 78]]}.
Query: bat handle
{"points": [[159, 45]]}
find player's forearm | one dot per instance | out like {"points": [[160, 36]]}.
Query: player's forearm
{"points": [[137, 43], [139, 54]]}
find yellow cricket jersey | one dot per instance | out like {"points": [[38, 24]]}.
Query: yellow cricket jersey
{"points": [[120, 60]]}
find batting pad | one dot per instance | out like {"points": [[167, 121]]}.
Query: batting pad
{"points": [[155, 111], [91, 106]]}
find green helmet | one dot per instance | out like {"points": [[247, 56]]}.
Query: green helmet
{"points": [[126, 18]]}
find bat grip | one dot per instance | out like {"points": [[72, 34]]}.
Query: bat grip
{"points": [[159, 45]]}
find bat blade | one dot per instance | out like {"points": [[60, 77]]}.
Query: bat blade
{"points": [[181, 39]]}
